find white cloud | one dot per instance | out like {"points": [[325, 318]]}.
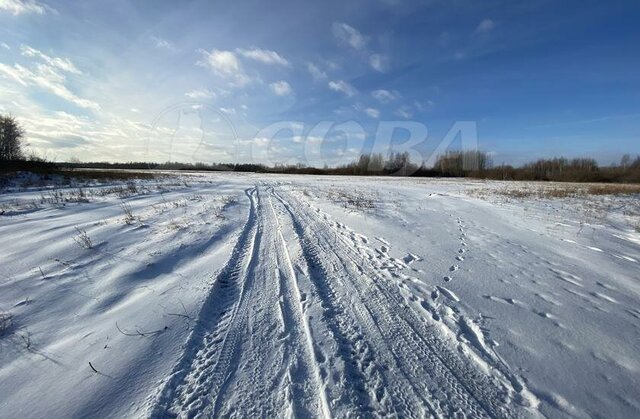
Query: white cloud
{"points": [[281, 88], [5, 46], [349, 35], [57, 130], [372, 112], [46, 77], [404, 112], [51, 81], [385, 96], [17, 73], [342, 87], [221, 62], [60, 135], [18, 7], [200, 94], [228, 111], [312, 139], [316, 73], [379, 62], [264, 56], [424, 106], [261, 141], [485, 26], [162, 43], [63, 64], [225, 64]]}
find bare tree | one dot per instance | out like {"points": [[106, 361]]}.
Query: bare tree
{"points": [[625, 161], [11, 138]]}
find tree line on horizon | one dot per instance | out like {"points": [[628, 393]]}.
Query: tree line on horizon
{"points": [[473, 164], [470, 164], [478, 164]]}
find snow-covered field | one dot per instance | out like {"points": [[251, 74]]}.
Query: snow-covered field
{"points": [[270, 296]]}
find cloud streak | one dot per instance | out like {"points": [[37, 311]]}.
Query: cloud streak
{"points": [[47, 76], [316, 73], [342, 87], [63, 64], [372, 113], [349, 35], [264, 56], [19, 7], [225, 64], [385, 96], [200, 94], [162, 43], [379, 62], [485, 26]]}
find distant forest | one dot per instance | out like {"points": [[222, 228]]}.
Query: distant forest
{"points": [[452, 164]]}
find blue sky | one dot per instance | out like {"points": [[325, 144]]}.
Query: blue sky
{"points": [[216, 81]]}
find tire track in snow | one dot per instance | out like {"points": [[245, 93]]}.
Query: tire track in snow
{"points": [[297, 312], [251, 354], [274, 373], [423, 368], [193, 386], [367, 384]]}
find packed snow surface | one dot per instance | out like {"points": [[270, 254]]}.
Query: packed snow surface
{"points": [[202, 295]]}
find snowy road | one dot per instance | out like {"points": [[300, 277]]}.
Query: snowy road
{"points": [[241, 296]]}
